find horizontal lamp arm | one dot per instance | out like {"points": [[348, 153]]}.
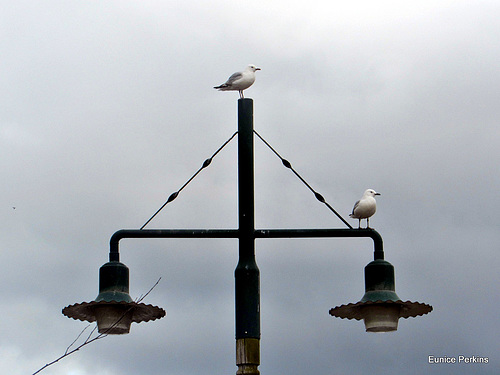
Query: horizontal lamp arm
{"points": [[235, 233], [326, 233]]}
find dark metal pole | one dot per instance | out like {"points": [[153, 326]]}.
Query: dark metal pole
{"points": [[247, 287], [247, 284]]}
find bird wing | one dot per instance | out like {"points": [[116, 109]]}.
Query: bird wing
{"points": [[355, 205], [234, 77]]}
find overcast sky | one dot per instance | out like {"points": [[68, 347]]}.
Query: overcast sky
{"points": [[107, 107]]}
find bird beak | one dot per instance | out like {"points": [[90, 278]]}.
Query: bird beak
{"points": [[258, 69], [377, 193]]}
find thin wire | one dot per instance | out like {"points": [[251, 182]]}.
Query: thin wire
{"points": [[174, 195], [318, 196]]}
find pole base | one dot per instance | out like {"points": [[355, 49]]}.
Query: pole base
{"points": [[247, 370], [248, 356]]}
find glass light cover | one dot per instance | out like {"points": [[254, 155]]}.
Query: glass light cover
{"points": [[113, 319], [381, 318]]}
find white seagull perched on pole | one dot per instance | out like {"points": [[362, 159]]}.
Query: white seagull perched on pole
{"points": [[365, 207], [239, 81]]}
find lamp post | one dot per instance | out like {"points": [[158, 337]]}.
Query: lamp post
{"points": [[114, 310]]}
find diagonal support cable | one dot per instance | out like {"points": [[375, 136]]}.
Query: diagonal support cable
{"points": [[174, 195], [317, 195]]}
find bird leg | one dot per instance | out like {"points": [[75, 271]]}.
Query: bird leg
{"points": [[241, 94], [359, 224], [367, 223]]}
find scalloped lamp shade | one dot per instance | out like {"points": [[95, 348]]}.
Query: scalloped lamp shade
{"points": [[113, 309], [380, 307]]}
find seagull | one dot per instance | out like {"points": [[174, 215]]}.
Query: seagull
{"points": [[365, 207], [239, 81]]}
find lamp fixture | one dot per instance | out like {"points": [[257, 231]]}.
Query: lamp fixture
{"points": [[380, 307], [113, 309]]}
